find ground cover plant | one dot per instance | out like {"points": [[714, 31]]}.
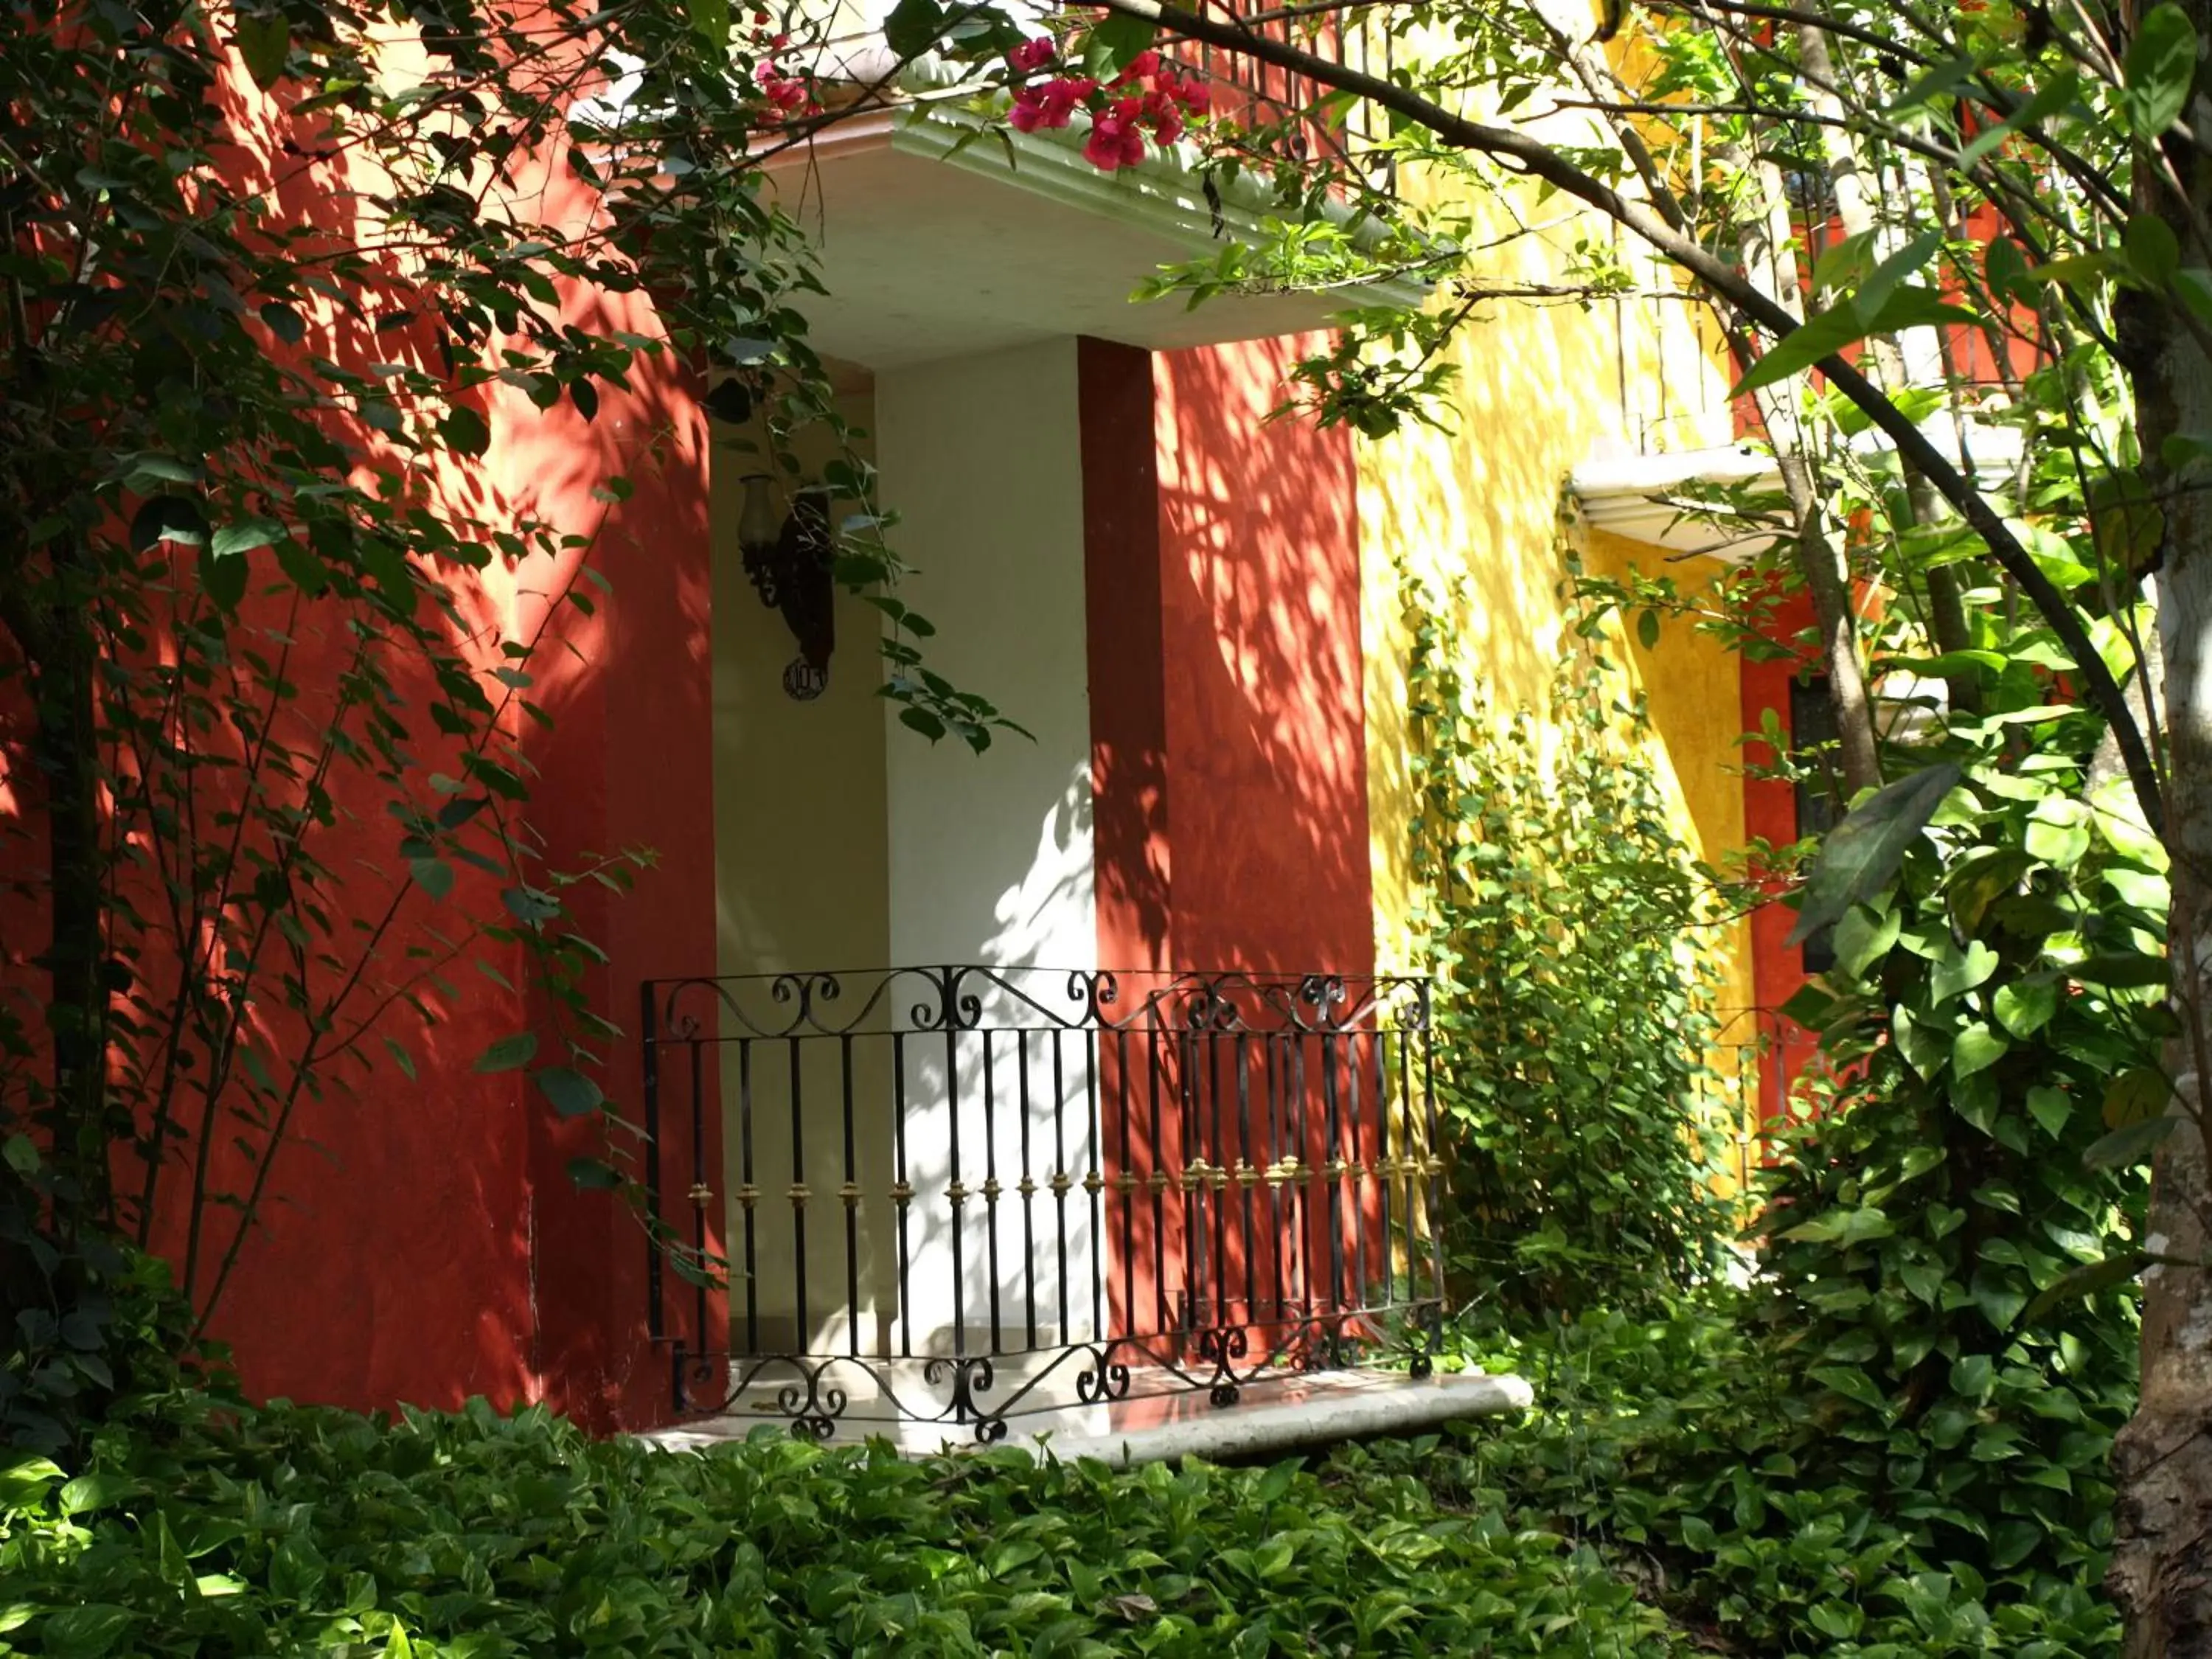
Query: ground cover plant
{"points": [[190, 1529]]}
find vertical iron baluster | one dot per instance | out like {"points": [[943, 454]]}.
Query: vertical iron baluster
{"points": [[1243, 1170], [1124, 1176], [656, 1317], [1160, 1191], [1409, 1160], [1355, 1127], [802, 1326], [747, 1193], [1388, 1244], [1094, 1178], [850, 1195], [954, 1191], [1060, 1182], [1302, 1139], [991, 1185], [1216, 1161], [1027, 1188], [1332, 1143], [902, 1195], [1190, 1146], [698, 1194], [1279, 1242], [1429, 1154]]}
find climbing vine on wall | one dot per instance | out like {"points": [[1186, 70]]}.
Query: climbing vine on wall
{"points": [[1565, 924]]}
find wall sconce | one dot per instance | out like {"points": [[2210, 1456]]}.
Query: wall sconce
{"points": [[790, 566]]}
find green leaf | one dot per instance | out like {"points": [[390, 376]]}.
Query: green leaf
{"points": [[508, 1053], [2153, 250], [2050, 1108], [529, 906], [2025, 1006], [244, 535], [1999, 1301], [19, 1153], [1647, 630], [912, 28], [2120, 971], [24, 1483], [1862, 937], [2126, 1149], [594, 1174], [167, 518], [1967, 970], [1861, 854], [2058, 832], [85, 1632], [2138, 1093], [264, 41], [1851, 1383], [97, 1490], [571, 1092], [285, 323], [400, 1057], [1976, 1049], [711, 19], [2161, 67], [223, 581], [2085, 1281], [1114, 42], [1874, 310], [434, 876], [464, 431]]}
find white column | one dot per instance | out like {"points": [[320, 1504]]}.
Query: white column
{"points": [[991, 855]]}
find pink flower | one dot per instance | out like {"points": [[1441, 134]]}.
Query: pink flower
{"points": [[1188, 91], [1167, 125], [786, 93], [1144, 64], [1116, 141], [1032, 55], [1027, 114]]}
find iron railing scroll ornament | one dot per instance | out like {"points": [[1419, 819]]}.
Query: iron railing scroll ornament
{"points": [[960, 1195]]}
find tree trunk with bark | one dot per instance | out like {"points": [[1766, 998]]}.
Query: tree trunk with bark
{"points": [[2161, 1571]]}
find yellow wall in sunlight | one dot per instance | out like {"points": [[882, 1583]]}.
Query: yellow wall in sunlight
{"points": [[1540, 389]]}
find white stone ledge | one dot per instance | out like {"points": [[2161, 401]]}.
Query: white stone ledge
{"points": [[1353, 1406], [1272, 1417]]}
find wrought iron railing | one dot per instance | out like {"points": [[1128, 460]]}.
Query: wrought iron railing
{"points": [[960, 1195], [1293, 109]]}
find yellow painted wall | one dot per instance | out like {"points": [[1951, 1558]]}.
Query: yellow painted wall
{"points": [[1541, 389]]}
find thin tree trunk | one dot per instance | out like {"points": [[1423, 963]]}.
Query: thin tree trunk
{"points": [[53, 631], [1770, 259], [2161, 1571]]}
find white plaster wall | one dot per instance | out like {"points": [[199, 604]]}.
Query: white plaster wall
{"points": [[800, 863], [990, 856]]}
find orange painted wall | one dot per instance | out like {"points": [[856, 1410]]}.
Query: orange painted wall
{"points": [[1770, 813], [422, 1241], [1229, 743]]}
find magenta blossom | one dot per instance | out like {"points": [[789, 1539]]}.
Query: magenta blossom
{"points": [[1116, 141]]}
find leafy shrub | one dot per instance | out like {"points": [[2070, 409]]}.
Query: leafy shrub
{"points": [[1894, 1442], [1558, 912], [93, 1317], [193, 1531], [1685, 1444]]}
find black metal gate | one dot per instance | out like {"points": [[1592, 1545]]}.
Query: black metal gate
{"points": [[963, 1194]]}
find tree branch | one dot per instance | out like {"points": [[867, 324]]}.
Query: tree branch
{"points": [[1539, 160]]}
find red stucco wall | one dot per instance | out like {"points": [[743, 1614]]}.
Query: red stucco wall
{"points": [[421, 1240], [1228, 743], [1770, 813]]}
